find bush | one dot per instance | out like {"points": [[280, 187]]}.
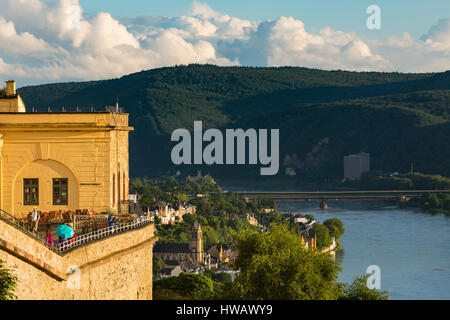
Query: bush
{"points": [[335, 227], [8, 283], [358, 290], [186, 286], [323, 235], [274, 265]]}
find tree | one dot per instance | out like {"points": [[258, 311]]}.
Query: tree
{"points": [[223, 283], [185, 286], [322, 234], [157, 265], [8, 283], [358, 290], [335, 226], [221, 277], [434, 201], [180, 196], [274, 265], [188, 218]]}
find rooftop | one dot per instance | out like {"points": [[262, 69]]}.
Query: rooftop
{"points": [[164, 247], [49, 120]]}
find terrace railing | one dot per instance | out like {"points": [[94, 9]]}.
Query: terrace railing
{"points": [[22, 225], [79, 240], [73, 109], [102, 233]]}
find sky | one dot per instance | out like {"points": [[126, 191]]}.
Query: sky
{"points": [[413, 16], [76, 40]]}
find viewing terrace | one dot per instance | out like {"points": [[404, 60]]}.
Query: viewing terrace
{"points": [[79, 240]]}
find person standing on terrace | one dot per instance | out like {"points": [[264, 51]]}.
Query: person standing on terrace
{"points": [[35, 216], [49, 238], [74, 232], [112, 220]]}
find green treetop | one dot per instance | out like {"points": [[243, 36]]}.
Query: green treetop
{"points": [[274, 265], [8, 283]]}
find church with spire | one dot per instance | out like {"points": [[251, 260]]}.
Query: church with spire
{"points": [[191, 252]]}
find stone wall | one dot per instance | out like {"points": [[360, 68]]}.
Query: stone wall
{"points": [[117, 267]]}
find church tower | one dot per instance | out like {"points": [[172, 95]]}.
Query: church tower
{"points": [[196, 242]]}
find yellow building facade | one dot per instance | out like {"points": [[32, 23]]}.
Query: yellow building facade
{"points": [[62, 161]]}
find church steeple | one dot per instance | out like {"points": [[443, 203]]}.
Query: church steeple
{"points": [[196, 242]]}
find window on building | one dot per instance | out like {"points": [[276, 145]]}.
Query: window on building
{"points": [[60, 191], [30, 192], [124, 193], [118, 187], [114, 189]]}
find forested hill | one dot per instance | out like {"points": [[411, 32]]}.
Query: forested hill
{"points": [[322, 115]]}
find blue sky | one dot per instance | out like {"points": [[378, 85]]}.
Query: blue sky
{"points": [[46, 41], [412, 16]]}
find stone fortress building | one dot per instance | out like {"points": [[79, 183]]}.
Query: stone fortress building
{"points": [[61, 161], [69, 161]]}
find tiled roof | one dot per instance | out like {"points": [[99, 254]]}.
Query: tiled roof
{"points": [[162, 247]]}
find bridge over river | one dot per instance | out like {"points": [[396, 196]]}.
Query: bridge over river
{"points": [[338, 195]]}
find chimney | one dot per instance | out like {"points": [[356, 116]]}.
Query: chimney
{"points": [[10, 88]]}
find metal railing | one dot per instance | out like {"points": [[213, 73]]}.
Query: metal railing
{"points": [[79, 240], [102, 233], [23, 225], [89, 222], [73, 109]]}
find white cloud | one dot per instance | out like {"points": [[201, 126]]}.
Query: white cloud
{"points": [[285, 41], [38, 41], [431, 53], [439, 33], [22, 44]]}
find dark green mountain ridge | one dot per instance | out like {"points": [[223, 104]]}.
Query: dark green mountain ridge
{"points": [[322, 115]]}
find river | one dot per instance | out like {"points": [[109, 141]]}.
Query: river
{"points": [[411, 247]]}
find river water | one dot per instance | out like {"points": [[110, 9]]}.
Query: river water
{"points": [[411, 247]]}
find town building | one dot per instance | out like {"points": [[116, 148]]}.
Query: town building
{"points": [[170, 271], [309, 241], [171, 213], [133, 197], [290, 172], [253, 221], [355, 165], [220, 259], [299, 218], [304, 223]]}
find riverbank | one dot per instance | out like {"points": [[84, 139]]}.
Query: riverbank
{"points": [[432, 211], [379, 233], [432, 203]]}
